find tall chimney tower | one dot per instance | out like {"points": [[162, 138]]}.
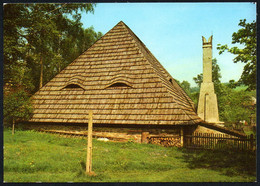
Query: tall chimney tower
{"points": [[207, 106]]}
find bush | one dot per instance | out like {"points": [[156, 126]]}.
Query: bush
{"points": [[17, 106], [235, 106]]}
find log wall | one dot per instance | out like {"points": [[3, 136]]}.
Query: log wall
{"points": [[115, 134]]}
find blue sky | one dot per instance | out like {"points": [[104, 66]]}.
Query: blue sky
{"points": [[172, 31]]}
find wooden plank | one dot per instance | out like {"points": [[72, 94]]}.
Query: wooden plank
{"points": [[207, 140], [144, 137], [216, 141], [182, 136], [219, 139], [200, 139], [195, 139], [89, 147], [203, 140], [211, 140], [251, 142]]}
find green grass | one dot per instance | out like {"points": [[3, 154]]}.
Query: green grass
{"points": [[241, 87], [36, 157]]}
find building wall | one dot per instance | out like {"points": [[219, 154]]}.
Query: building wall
{"points": [[117, 134], [160, 136]]}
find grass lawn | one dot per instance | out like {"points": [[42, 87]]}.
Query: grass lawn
{"points": [[37, 157], [241, 87]]}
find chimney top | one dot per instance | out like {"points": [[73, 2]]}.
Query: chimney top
{"points": [[206, 43]]}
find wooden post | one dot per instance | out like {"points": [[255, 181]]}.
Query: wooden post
{"points": [[251, 142], [89, 148], [13, 127], [41, 73], [181, 136], [144, 137]]}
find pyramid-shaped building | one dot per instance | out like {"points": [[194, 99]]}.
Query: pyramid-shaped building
{"points": [[120, 80]]}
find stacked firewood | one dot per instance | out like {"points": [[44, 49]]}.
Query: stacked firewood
{"points": [[166, 141]]}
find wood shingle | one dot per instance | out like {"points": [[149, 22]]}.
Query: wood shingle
{"points": [[121, 81]]}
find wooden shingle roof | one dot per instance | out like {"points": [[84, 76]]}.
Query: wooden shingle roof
{"points": [[121, 81]]}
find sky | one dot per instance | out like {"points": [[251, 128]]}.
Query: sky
{"points": [[173, 32]]}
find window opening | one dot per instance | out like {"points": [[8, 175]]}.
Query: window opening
{"points": [[119, 85], [73, 86]]}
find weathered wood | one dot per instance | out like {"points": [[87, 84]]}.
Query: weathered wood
{"points": [[121, 79], [251, 142], [165, 141], [89, 147], [182, 136], [144, 137], [212, 141]]}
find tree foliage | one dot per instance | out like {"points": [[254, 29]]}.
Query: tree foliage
{"points": [[17, 106], [232, 84], [246, 36], [186, 86], [233, 105], [44, 38], [39, 41]]}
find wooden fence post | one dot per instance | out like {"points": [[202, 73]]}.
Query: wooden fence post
{"points": [[13, 127], [89, 147], [251, 142], [181, 136], [144, 137]]}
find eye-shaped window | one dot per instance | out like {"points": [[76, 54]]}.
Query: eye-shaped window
{"points": [[73, 87], [75, 82], [119, 85], [119, 82]]}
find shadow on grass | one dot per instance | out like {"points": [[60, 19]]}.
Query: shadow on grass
{"points": [[81, 175], [228, 162]]}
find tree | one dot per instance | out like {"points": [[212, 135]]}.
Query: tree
{"points": [[17, 107], [36, 35], [235, 106], [198, 80], [15, 70], [245, 36], [232, 84], [39, 41], [186, 86], [70, 48]]}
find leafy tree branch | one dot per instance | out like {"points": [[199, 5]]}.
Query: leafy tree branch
{"points": [[246, 36]]}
